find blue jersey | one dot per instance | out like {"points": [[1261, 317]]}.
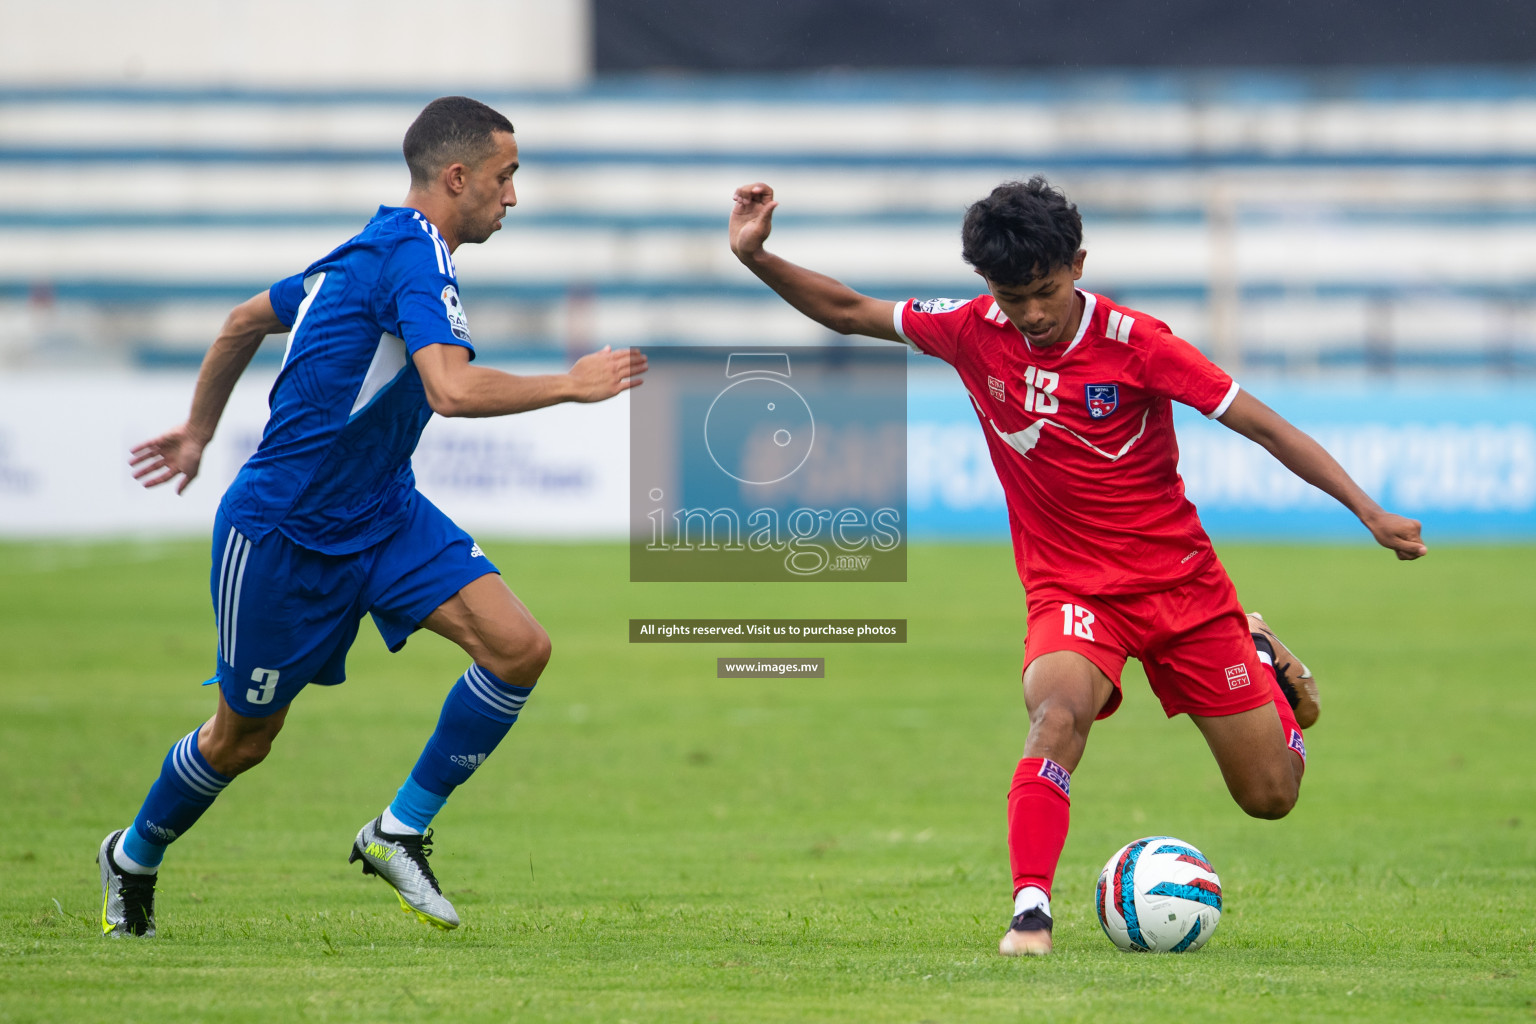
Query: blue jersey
{"points": [[333, 471]]}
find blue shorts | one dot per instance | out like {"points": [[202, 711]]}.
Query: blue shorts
{"points": [[287, 615]]}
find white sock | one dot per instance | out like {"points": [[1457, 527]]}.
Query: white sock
{"points": [[1029, 897], [394, 826], [128, 864]]}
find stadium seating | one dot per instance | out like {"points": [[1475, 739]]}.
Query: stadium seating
{"points": [[1379, 222]]}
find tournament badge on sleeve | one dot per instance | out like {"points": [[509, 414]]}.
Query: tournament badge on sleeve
{"points": [[458, 323]]}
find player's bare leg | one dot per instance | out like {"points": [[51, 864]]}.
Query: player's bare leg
{"points": [[1262, 772], [233, 743], [495, 629], [1295, 679], [1064, 692]]}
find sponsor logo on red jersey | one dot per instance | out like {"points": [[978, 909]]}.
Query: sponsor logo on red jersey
{"points": [[1237, 677], [995, 386]]}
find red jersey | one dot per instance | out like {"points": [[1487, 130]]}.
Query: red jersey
{"points": [[1081, 435]]}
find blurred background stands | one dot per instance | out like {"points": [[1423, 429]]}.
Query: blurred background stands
{"points": [[1307, 218]]}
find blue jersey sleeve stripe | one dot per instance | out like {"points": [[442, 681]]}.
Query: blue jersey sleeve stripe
{"points": [[437, 246], [312, 284], [453, 271]]}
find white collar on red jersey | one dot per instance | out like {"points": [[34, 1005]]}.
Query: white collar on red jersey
{"points": [[1090, 302]]}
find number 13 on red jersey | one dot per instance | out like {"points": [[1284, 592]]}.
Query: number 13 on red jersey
{"points": [[1040, 390]]}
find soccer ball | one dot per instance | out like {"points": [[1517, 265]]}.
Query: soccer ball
{"points": [[1158, 895]]}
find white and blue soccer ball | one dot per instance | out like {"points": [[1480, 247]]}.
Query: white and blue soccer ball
{"points": [[1158, 895]]}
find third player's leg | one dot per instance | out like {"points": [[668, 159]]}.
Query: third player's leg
{"points": [[495, 629], [1262, 773]]}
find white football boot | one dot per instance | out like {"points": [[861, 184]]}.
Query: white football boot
{"points": [[402, 862], [127, 900], [1295, 678]]}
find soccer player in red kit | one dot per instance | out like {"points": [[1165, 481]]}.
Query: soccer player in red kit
{"points": [[1075, 396]]}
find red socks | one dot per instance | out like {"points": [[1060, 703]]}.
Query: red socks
{"points": [[1039, 809]]}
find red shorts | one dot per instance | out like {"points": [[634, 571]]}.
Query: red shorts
{"points": [[1192, 639]]}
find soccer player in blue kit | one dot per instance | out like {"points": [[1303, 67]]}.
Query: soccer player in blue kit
{"points": [[324, 522]]}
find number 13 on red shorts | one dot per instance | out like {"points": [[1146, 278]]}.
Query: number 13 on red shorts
{"points": [[1076, 621]]}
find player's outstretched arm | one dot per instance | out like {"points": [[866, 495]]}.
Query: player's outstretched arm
{"points": [[179, 452], [827, 301], [1311, 461], [455, 388]]}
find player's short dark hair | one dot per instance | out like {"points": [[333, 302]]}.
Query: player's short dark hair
{"points": [[451, 129], [1022, 231]]}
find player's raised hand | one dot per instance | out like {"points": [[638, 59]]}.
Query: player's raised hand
{"points": [[1399, 533], [603, 374], [161, 460], [751, 219]]}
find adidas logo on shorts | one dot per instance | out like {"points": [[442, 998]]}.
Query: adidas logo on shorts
{"points": [[470, 761]]}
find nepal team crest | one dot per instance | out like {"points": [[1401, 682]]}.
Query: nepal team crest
{"points": [[1103, 399]]}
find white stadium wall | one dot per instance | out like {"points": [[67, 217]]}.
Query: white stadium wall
{"points": [[65, 438], [296, 44]]}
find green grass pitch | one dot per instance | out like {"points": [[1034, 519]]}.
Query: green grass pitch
{"points": [[654, 844]]}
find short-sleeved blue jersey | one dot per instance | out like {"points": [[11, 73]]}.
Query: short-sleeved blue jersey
{"points": [[333, 471]]}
